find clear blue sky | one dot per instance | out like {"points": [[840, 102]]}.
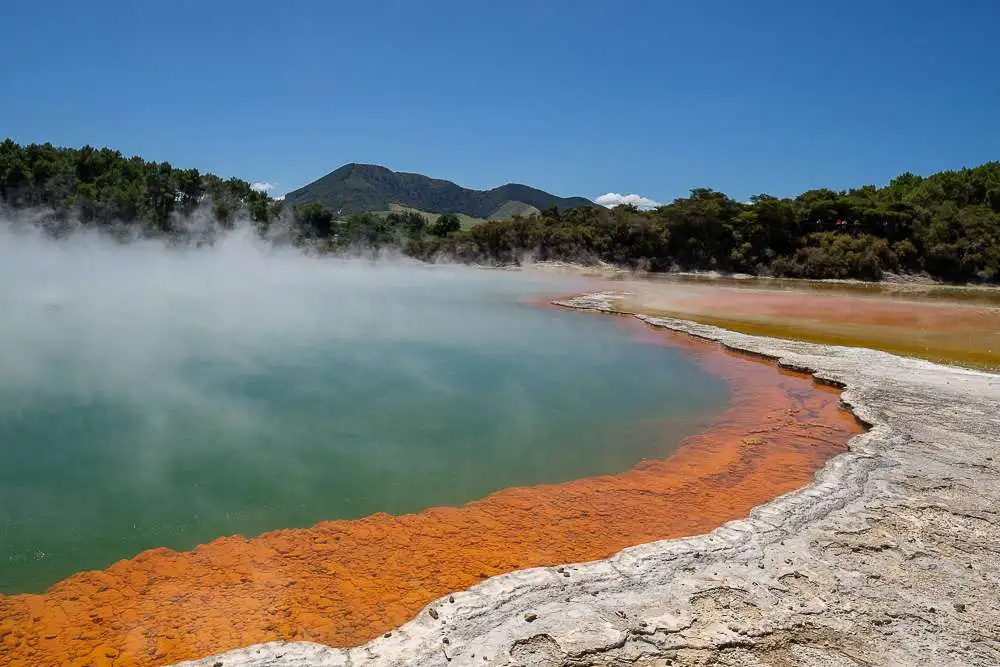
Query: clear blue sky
{"points": [[573, 96]]}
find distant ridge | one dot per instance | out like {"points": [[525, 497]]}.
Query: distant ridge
{"points": [[356, 188]]}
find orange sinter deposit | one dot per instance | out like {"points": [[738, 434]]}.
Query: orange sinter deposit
{"points": [[345, 582]]}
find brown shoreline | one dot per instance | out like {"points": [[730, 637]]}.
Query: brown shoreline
{"points": [[344, 582]]}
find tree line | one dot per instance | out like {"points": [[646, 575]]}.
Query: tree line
{"points": [[100, 186], [946, 225]]}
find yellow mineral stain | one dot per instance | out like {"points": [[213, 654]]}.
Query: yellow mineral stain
{"points": [[939, 324]]}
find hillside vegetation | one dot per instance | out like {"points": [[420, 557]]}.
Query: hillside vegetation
{"points": [[102, 187], [359, 188], [513, 208], [946, 225]]}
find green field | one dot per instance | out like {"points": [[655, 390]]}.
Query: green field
{"points": [[468, 222]]}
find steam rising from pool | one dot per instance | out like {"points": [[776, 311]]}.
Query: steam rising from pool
{"points": [[162, 396]]}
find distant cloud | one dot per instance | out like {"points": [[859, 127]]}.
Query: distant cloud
{"points": [[280, 198], [263, 186], [613, 199]]}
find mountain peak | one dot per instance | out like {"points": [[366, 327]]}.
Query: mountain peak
{"points": [[357, 187]]}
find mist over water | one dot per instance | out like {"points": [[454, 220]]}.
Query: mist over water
{"points": [[164, 396]]}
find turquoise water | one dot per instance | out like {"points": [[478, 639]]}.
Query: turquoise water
{"points": [[166, 401]]}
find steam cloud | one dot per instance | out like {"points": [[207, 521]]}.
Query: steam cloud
{"points": [[118, 316]]}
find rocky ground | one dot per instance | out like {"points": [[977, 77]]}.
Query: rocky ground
{"points": [[891, 557]]}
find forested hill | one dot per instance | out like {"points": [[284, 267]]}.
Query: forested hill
{"points": [[946, 225], [356, 188], [100, 186]]}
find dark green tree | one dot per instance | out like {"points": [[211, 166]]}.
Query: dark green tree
{"points": [[446, 224], [315, 219]]}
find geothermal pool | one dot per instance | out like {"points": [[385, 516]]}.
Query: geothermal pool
{"points": [[156, 397], [382, 435]]}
